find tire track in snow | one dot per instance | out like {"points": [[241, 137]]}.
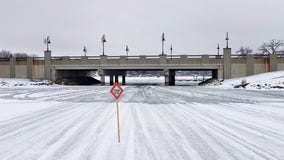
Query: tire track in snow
{"points": [[181, 144], [186, 140], [65, 143], [18, 123], [42, 132], [231, 136], [185, 116], [96, 143], [256, 129]]}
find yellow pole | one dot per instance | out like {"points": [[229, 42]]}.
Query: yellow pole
{"points": [[117, 115]]}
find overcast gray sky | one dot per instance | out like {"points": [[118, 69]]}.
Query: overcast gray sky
{"points": [[191, 26]]}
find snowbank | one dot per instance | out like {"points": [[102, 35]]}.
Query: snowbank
{"points": [[271, 80], [10, 82]]}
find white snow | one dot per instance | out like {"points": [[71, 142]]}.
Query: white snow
{"points": [[268, 80], [157, 122]]}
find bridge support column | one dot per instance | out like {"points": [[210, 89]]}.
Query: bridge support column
{"points": [[172, 78], [12, 67], [166, 74], [273, 62], [102, 76], [249, 65], [123, 80], [169, 77], [227, 64], [103, 81], [116, 78], [47, 57], [111, 80], [29, 67]]}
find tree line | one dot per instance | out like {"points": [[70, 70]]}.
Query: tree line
{"points": [[8, 54], [272, 47]]}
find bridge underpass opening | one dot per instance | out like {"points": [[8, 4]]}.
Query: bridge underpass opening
{"points": [[76, 77], [193, 77], [160, 77], [135, 77], [145, 77]]}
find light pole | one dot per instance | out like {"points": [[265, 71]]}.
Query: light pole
{"points": [[103, 41], [127, 50], [218, 48], [47, 42], [227, 40], [171, 51], [85, 51], [163, 40]]}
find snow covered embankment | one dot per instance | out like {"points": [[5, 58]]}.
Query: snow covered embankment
{"points": [[271, 80], [9, 82]]}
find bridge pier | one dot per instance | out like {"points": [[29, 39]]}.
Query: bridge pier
{"points": [[123, 80], [172, 78], [103, 81], [111, 80], [116, 78], [169, 77]]}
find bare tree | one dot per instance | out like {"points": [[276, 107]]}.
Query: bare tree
{"points": [[271, 47], [5, 54], [244, 51]]}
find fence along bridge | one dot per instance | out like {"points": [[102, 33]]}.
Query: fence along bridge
{"points": [[224, 66]]}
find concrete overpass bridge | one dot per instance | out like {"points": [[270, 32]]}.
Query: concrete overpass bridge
{"points": [[224, 66]]}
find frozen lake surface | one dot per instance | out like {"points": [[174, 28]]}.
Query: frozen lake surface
{"points": [[157, 122]]}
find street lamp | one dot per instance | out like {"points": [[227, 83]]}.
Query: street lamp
{"points": [[85, 51], [127, 50], [47, 42], [103, 41], [227, 39], [163, 40], [218, 48], [171, 51]]}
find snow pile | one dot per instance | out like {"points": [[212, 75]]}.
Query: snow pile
{"points": [[271, 80], [7, 82]]}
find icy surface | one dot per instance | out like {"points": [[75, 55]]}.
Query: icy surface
{"points": [[157, 122]]}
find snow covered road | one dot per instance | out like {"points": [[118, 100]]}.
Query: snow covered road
{"points": [[157, 122]]}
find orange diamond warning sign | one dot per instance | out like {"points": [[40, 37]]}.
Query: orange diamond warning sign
{"points": [[116, 91]]}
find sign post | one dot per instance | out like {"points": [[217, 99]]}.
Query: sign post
{"points": [[117, 91]]}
